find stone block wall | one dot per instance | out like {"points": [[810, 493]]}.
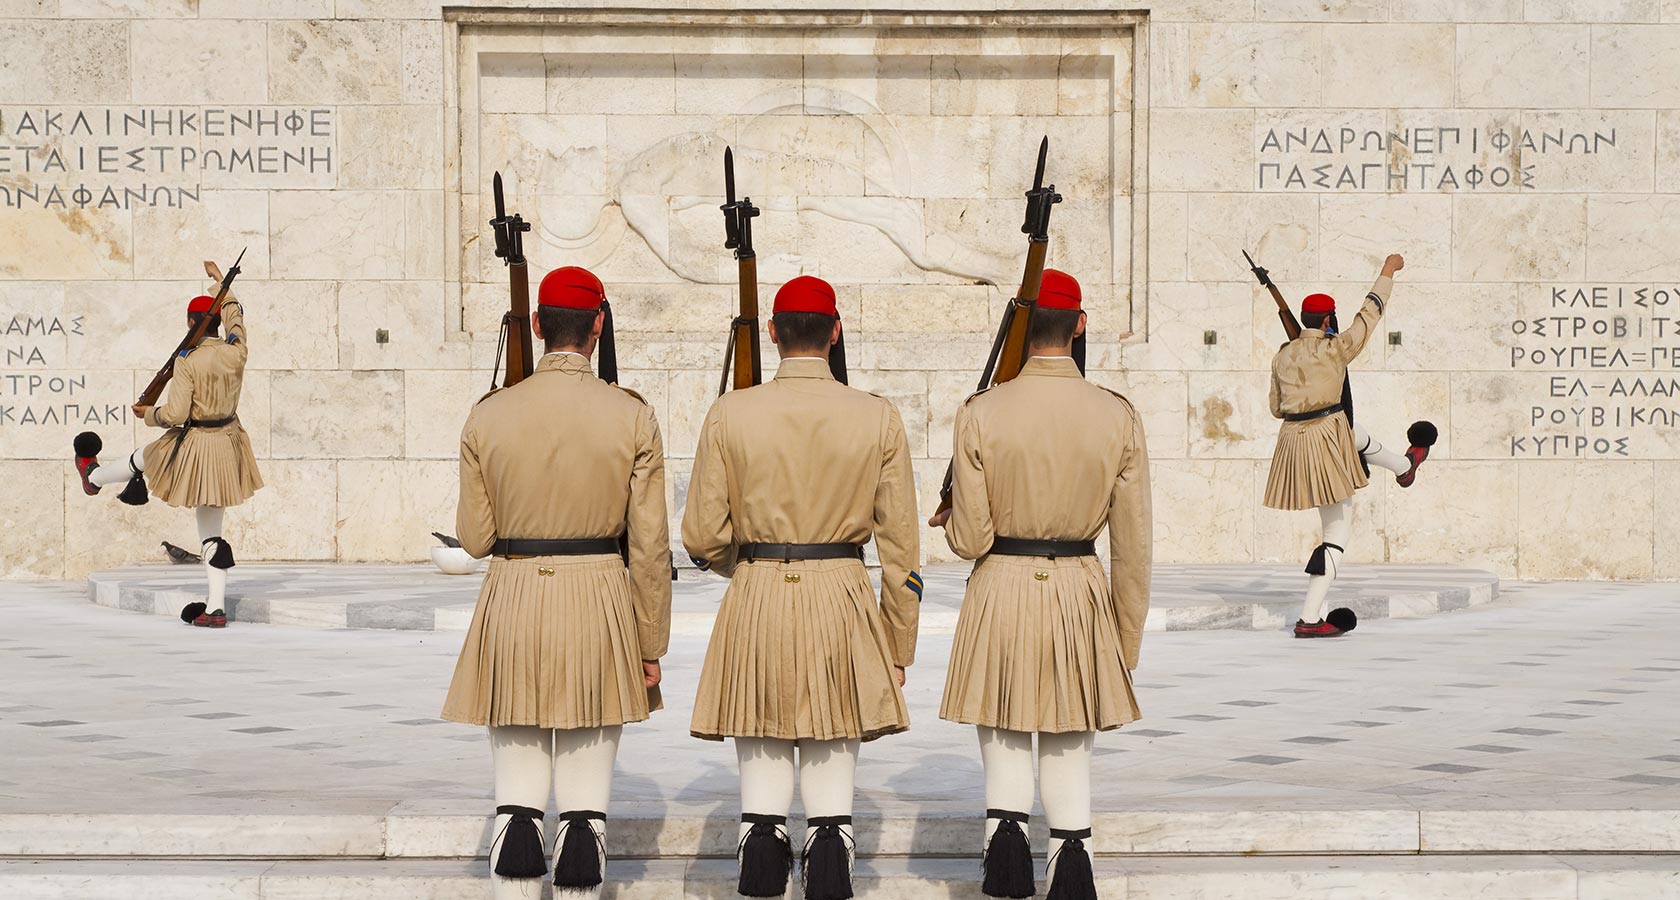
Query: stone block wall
{"points": [[1523, 154]]}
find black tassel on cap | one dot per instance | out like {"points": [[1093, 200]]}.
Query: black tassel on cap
{"points": [[1079, 352], [579, 864], [1073, 878], [828, 861], [837, 357], [606, 350], [521, 853], [766, 857], [1008, 862]]}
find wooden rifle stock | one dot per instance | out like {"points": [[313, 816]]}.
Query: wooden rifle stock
{"points": [[516, 322], [154, 390], [742, 367], [746, 366]]}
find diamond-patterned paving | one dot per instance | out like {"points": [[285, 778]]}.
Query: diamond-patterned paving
{"points": [[107, 712]]}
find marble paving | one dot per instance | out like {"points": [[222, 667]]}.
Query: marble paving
{"points": [[1540, 723], [419, 598]]}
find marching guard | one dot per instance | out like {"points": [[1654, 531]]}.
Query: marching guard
{"points": [[1045, 642], [204, 460], [563, 483], [1322, 455], [790, 479]]}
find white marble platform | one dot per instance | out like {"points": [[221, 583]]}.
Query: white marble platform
{"points": [[1134, 878], [419, 598]]}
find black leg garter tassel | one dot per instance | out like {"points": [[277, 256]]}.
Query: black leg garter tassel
{"points": [[1316, 564], [581, 851], [1073, 878], [828, 860], [134, 493], [521, 853], [221, 555], [765, 855], [1008, 864]]}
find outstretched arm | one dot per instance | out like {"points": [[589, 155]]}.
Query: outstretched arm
{"points": [[1352, 339]]}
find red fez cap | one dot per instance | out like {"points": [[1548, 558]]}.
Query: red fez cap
{"points": [[572, 288], [1058, 290], [1318, 303], [200, 304], [806, 294]]}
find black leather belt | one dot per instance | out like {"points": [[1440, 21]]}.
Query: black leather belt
{"points": [[787, 552], [1315, 414], [1008, 546], [209, 423], [554, 546]]}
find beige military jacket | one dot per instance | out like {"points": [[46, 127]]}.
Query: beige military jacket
{"points": [[564, 454], [206, 383], [804, 459], [1051, 456], [1307, 373]]}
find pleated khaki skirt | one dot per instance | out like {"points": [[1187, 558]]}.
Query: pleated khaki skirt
{"points": [[214, 467], [1035, 654], [799, 650], [552, 650], [1315, 464]]}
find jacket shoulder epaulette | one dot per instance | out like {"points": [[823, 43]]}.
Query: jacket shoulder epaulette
{"points": [[970, 397]]}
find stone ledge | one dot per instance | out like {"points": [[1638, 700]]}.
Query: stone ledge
{"points": [[455, 830], [1141, 878], [418, 598]]}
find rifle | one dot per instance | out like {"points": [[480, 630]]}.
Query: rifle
{"points": [[149, 396], [516, 322], [741, 356], [1009, 348], [1291, 327]]}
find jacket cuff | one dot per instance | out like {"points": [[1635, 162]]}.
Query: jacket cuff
{"points": [[1131, 642]]}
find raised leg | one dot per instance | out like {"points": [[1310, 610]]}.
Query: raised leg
{"points": [[119, 473], [1377, 455]]}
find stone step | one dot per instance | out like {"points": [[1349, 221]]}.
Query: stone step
{"points": [[1538, 877], [445, 831]]}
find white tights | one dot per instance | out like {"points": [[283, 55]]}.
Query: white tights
{"points": [[1377, 456], [1336, 522], [576, 763], [826, 772], [1064, 778], [209, 524]]}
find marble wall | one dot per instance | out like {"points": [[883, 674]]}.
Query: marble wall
{"points": [[1524, 156]]}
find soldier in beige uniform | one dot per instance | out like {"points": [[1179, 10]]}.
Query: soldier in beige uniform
{"points": [[1046, 642], [563, 481], [1322, 455], [791, 479], [203, 460]]}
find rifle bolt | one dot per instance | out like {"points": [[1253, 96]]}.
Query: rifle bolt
{"points": [[1394, 338], [1210, 338], [381, 336]]}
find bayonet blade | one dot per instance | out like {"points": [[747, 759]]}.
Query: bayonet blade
{"points": [[1251, 263], [1043, 152], [228, 278], [496, 187], [729, 175]]}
